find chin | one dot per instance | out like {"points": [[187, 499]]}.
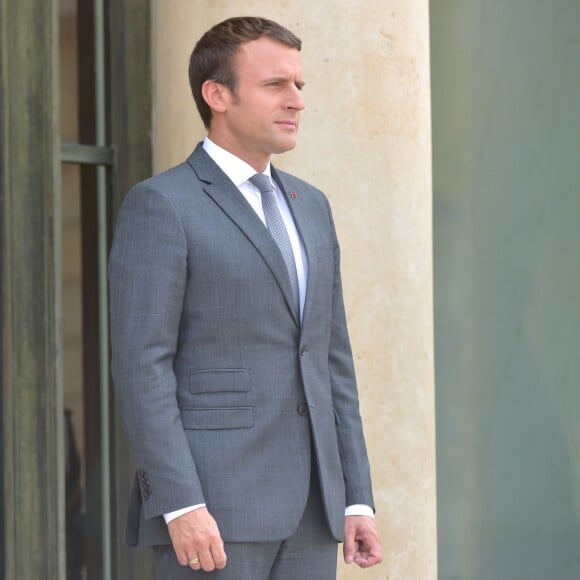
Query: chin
{"points": [[288, 145]]}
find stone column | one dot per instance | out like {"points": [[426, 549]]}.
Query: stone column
{"points": [[365, 140]]}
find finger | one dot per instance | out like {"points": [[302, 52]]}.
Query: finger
{"points": [[206, 560], [367, 560], [181, 555], [369, 555], [194, 563], [374, 559], [219, 555]]}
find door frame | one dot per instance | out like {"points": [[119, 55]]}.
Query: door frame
{"points": [[32, 462]]}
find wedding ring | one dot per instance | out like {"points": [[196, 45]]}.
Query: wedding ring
{"points": [[193, 561]]}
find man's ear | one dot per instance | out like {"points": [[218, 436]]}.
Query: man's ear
{"points": [[215, 95]]}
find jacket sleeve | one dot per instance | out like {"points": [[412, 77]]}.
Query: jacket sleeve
{"points": [[147, 278], [351, 442]]}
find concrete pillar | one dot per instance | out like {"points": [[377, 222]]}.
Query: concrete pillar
{"points": [[365, 140]]}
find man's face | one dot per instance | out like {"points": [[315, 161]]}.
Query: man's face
{"points": [[262, 116]]}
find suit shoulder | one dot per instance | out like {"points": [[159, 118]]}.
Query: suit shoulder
{"points": [[170, 182]]}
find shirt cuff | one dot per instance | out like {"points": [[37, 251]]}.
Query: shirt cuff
{"points": [[359, 509], [172, 515]]}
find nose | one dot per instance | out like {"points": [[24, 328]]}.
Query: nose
{"points": [[296, 100]]}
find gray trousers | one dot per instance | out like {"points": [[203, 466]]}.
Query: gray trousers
{"points": [[309, 554]]}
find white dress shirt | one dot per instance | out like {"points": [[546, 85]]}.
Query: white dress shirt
{"points": [[239, 172]]}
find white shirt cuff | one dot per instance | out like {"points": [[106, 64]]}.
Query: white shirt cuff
{"points": [[359, 509], [172, 515], [351, 510]]}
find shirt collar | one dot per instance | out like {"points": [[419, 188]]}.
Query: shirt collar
{"points": [[235, 168]]}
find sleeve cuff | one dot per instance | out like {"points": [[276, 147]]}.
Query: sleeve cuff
{"points": [[359, 509], [172, 515]]}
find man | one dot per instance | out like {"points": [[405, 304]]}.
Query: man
{"points": [[231, 356]]}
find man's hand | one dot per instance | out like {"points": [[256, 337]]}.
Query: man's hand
{"points": [[362, 544], [197, 541]]}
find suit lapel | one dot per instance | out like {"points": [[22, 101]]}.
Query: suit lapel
{"points": [[306, 225], [226, 195]]}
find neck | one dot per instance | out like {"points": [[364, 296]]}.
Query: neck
{"points": [[258, 161]]}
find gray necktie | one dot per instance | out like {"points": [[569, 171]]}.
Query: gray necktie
{"points": [[278, 230]]}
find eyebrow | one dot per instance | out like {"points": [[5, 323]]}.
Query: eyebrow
{"points": [[299, 84]]}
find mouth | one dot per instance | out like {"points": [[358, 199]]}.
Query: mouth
{"points": [[288, 124]]}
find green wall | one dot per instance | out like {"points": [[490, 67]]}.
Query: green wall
{"points": [[506, 126]]}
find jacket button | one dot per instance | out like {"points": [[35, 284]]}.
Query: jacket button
{"points": [[303, 410], [303, 349]]}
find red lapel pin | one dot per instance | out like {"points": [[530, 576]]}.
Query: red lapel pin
{"points": [[293, 195]]}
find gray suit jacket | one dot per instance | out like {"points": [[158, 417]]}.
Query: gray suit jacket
{"points": [[223, 392]]}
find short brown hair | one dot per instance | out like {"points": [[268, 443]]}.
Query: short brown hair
{"points": [[211, 58]]}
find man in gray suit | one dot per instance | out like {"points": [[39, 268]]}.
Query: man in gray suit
{"points": [[231, 357]]}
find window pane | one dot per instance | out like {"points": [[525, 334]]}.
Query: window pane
{"points": [[72, 299]]}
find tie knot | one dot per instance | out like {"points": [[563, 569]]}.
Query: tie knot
{"points": [[262, 182]]}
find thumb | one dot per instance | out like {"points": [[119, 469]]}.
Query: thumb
{"points": [[349, 548]]}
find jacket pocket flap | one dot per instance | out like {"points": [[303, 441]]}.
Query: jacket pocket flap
{"points": [[219, 381], [218, 418]]}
